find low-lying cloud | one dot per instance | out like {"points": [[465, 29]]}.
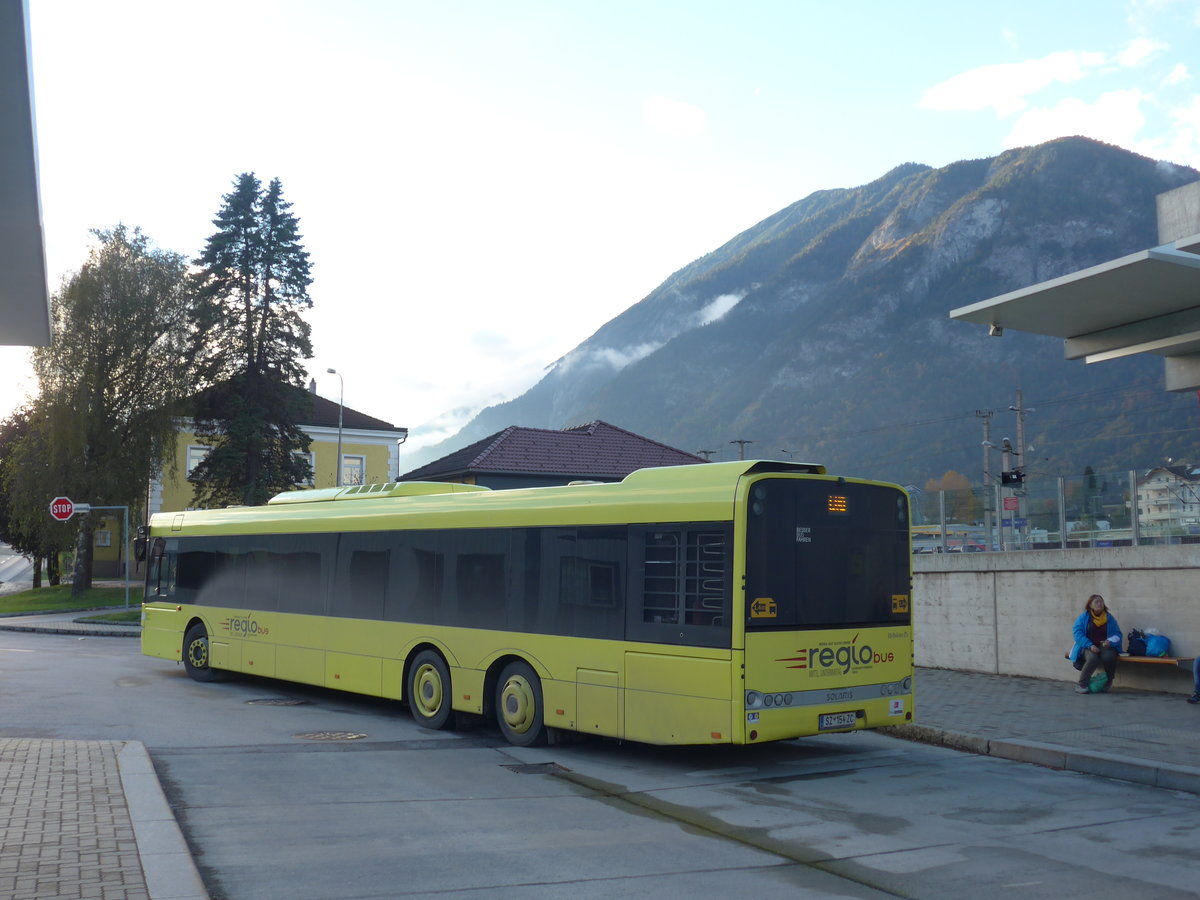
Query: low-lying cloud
{"points": [[718, 308], [617, 358]]}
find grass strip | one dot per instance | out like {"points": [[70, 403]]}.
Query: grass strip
{"points": [[58, 597]]}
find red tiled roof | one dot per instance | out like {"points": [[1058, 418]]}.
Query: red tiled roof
{"points": [[325, 412], [593, 450]]}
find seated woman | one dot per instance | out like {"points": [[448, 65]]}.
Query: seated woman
{"points": [[1195, 698], [1098, 639]]}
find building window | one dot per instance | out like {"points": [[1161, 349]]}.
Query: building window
{"points": [[103, 538], [354, 469], [195, 456]]}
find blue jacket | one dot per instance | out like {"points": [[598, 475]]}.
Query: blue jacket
{"points": [[1082, 641]]}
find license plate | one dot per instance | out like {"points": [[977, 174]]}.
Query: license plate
{"points": [[837, 720]]}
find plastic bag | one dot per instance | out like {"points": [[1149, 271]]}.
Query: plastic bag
{"points": [[1098, 683], [1158, 645]]}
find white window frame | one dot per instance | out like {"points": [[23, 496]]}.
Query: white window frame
{"points": [[362, 469], [196, 454]]}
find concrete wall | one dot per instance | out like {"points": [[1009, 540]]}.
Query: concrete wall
{"points": [[1179, 213], [1011, 613]]}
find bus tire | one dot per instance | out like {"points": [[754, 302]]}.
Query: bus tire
{"points": [[196, 656], [519, 708], [429, 696]]}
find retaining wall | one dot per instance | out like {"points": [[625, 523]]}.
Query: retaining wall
{"points": [[1011, 613]]}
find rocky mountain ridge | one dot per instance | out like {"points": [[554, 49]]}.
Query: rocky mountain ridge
{"points": [[823, 333]]}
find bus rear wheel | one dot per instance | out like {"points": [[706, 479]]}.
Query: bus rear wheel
{"points": [[429, 690], [196, 657], [519, 705]]}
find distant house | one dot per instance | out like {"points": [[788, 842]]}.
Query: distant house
{"points": [[1169, 496], [519, 457], [370, 454]]}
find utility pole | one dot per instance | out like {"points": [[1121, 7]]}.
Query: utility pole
{"points": [[988, 493], [707, 454], [1021, 412], [741, 447]]}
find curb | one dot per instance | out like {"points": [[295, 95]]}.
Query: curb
{"points": [[84, 631], [167, 862], [61, 612], [1056, 756]]}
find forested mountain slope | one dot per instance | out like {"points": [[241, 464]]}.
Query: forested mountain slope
{"points": [[823, 330]]}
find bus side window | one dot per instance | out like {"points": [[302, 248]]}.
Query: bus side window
{"points": [[679, 586], [161, 579], [661, 586]]}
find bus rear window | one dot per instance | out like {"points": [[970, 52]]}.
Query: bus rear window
{"points": [[826, 553]]}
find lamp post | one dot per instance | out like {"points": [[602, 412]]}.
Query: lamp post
{"points": [[341, 407]]}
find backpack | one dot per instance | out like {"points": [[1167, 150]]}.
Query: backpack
{"points": [[1137, 642]]}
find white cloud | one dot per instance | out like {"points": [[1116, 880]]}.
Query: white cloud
{"points": [[612, 357], [1140, 51], [1004, 87], [617, 358], [1116, 118], [673, 118], [1182, 142], [1177, 75], [719, 307]]}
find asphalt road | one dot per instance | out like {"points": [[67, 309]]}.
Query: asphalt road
{"points": [[298, 793]]}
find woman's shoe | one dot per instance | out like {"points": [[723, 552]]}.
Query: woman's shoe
{"points": [[1195, 698], [1080, 689]]}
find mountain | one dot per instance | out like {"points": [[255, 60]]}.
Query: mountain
{"points": [[822, 333]]}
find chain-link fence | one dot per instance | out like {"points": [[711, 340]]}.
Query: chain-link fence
{"points": [[1096, 509]]}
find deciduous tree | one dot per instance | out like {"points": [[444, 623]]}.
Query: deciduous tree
{"points": [[961, 503], [111, 377], [25, 524]]}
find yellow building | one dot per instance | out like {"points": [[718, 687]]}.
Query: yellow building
{"points": [[369, 450]]}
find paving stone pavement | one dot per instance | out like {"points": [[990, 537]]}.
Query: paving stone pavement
{"points": [[1142, 736], [66, 828], [87, 819]]}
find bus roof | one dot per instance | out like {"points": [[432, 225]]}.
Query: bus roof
{"points": [[697, 493]]}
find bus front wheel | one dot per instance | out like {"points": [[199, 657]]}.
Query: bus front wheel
{"points": [[429, 690], [519, 705], [196, 659]]}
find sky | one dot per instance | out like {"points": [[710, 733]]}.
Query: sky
{"points": [[482, 185]]}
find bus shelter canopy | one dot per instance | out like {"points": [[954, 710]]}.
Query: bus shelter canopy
{"points": [[1147, 302], [24, 297]]}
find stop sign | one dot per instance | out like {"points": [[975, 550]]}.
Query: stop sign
{"points": [[62, 508]]}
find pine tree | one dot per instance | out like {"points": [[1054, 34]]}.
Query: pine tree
{"points": [[250, 341]]}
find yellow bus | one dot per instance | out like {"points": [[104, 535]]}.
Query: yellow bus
{"points": [[736, 602]]}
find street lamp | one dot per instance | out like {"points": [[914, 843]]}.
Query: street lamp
{"points": [[341, 406]]}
